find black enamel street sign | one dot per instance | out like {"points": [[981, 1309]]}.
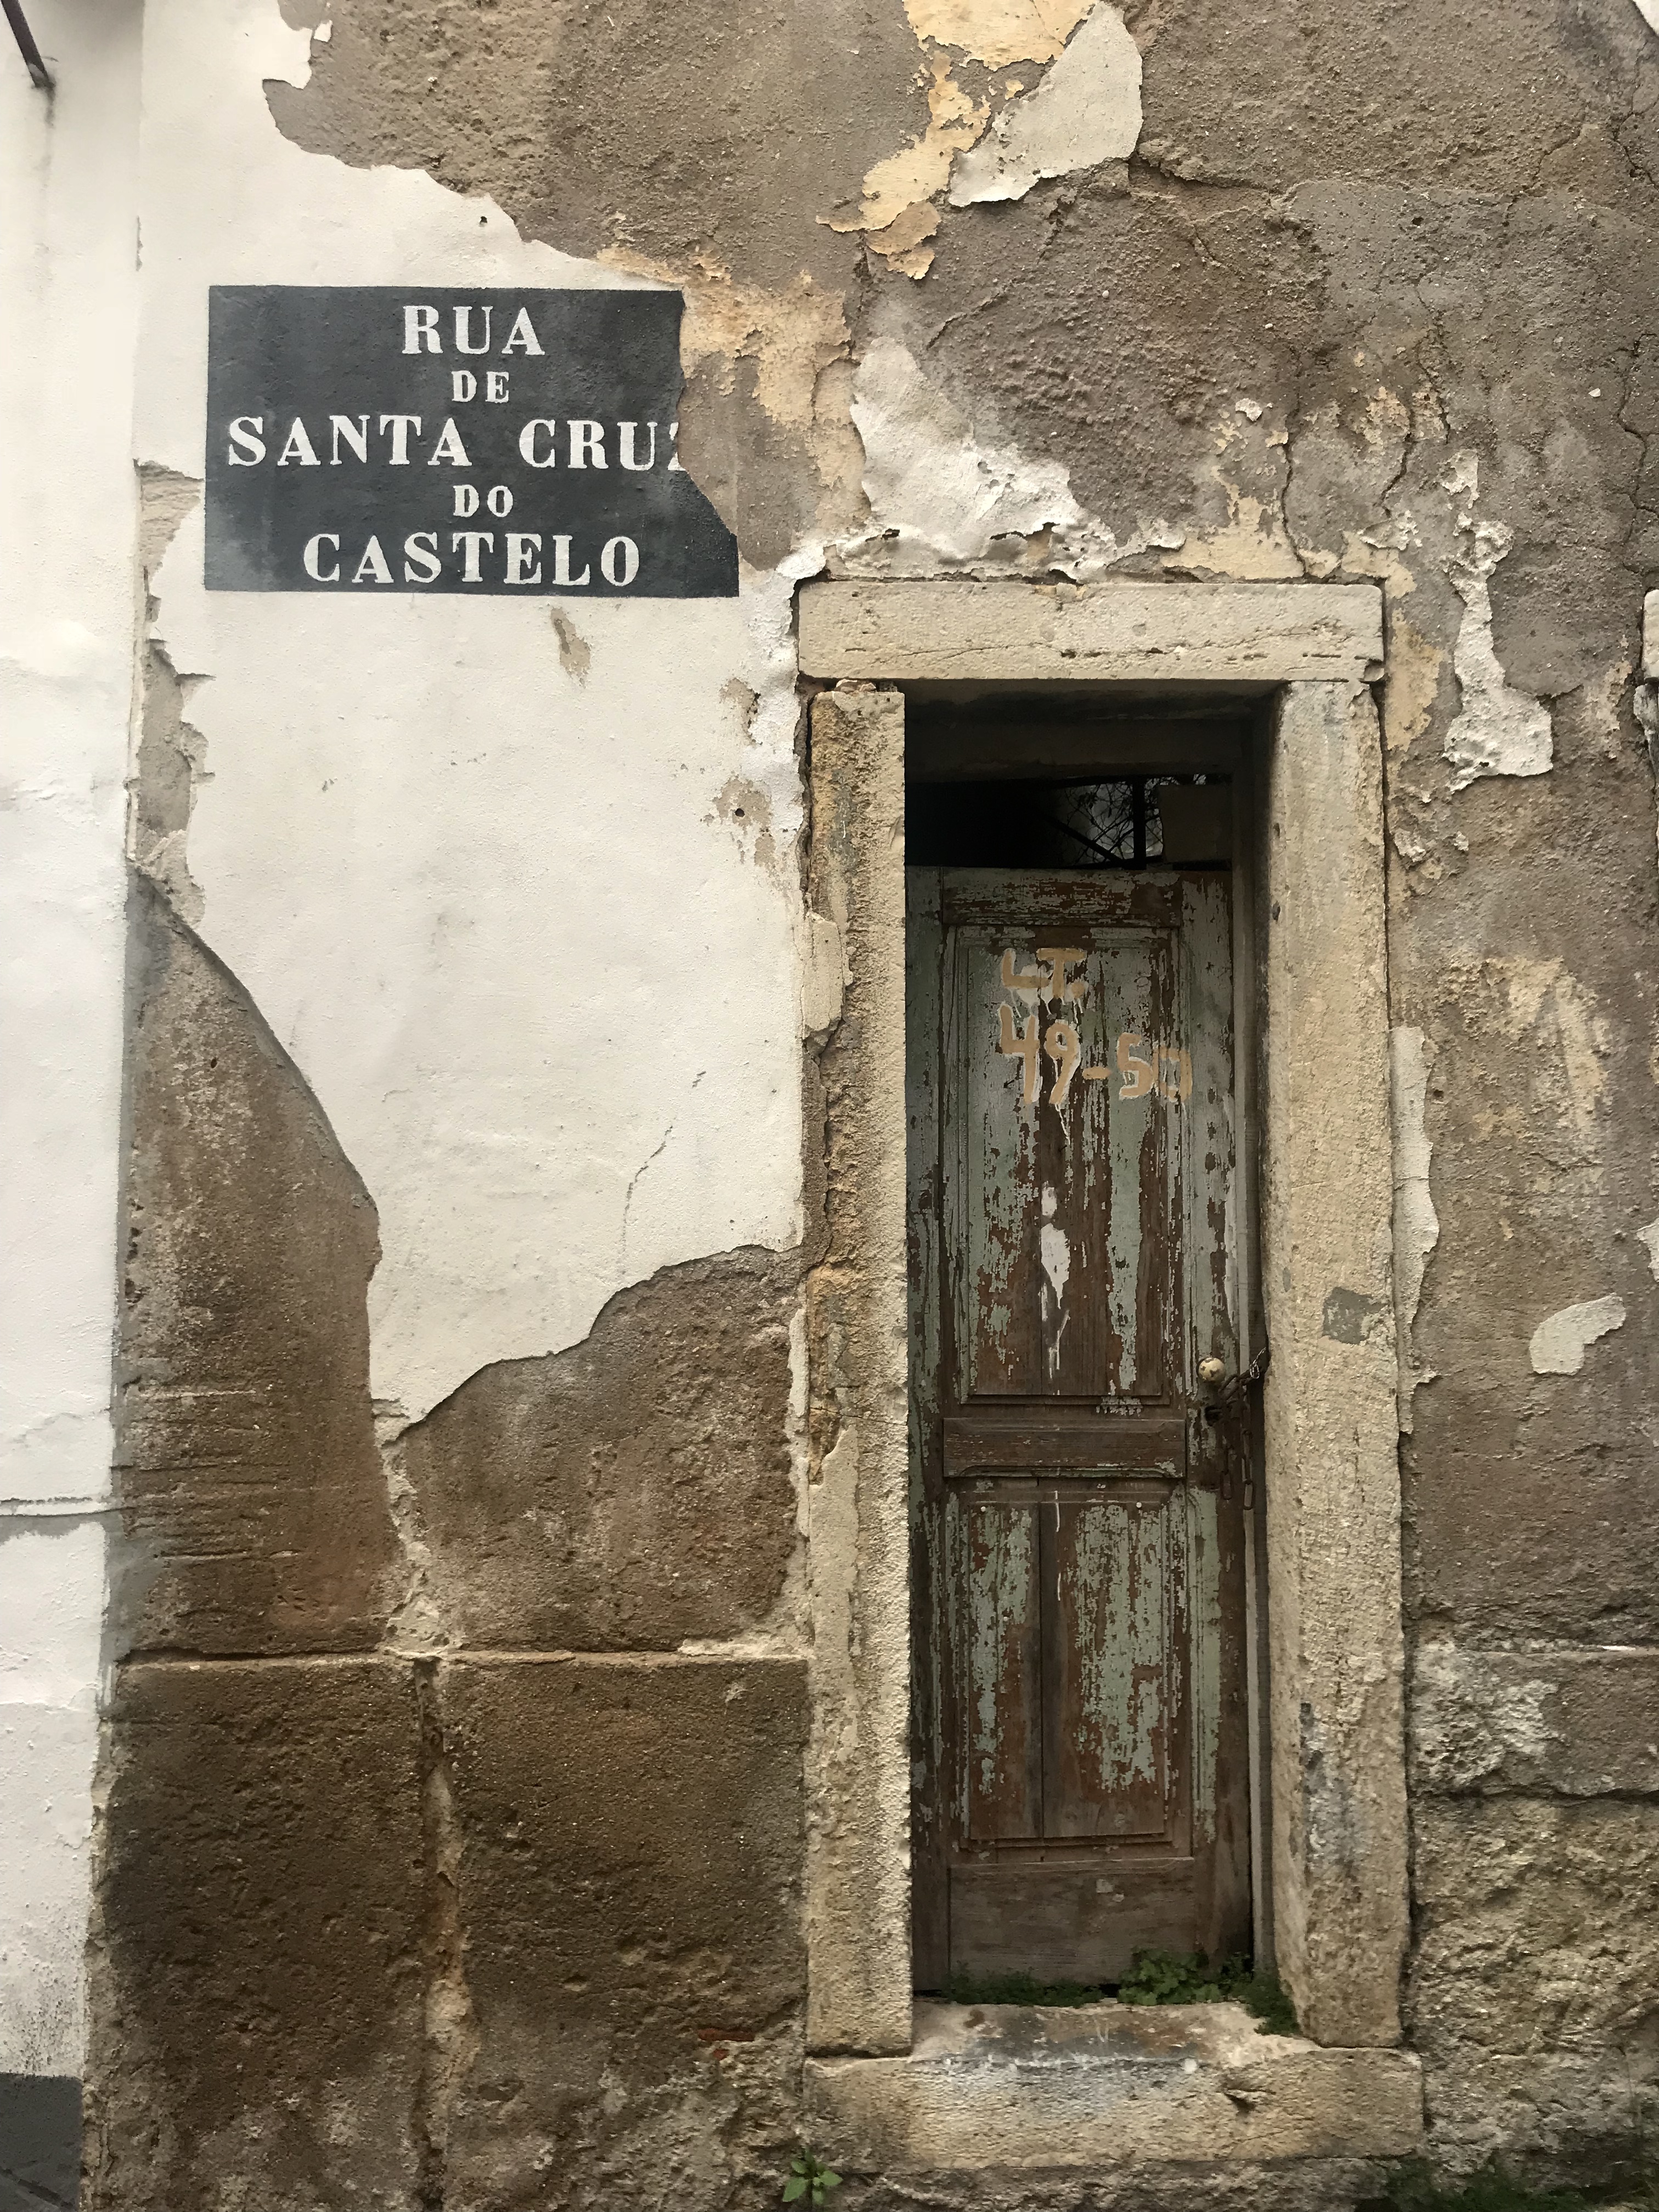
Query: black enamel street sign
{"points": [[378, 438]]}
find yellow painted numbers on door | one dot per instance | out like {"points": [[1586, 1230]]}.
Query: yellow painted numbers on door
{"points": [[1148, 1067]]}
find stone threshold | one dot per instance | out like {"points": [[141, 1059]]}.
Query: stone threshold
{"points": [[1005, 2087]]}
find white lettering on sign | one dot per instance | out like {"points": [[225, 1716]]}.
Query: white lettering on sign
{"points": [[421, 562], [386, 427], [247, 446], [473, 557], [421, 335]]}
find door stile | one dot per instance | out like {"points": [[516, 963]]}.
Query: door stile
{"points": [[923, 965]]}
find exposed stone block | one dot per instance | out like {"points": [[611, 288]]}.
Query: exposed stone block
{"points": [[255, 1502], [257, 1972], [1534, 1993], [1580, 1722], [631, 1491], [629, 1845]]}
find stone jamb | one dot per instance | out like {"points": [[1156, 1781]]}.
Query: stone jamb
{"points": [[1331, 1472]]}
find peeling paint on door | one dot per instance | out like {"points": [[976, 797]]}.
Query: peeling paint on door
{"points": [[1078, 1548]]}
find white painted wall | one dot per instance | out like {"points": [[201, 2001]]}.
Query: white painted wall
{"points": [[544, 989], [68, 307]]}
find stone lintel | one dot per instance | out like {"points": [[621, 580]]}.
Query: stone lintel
{"points": [[961, 631]]}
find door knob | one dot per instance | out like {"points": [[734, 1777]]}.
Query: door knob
{"points": [[1211, 1370]]}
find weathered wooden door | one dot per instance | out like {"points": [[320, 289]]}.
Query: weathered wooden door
{"points": [[1078, 1705]]}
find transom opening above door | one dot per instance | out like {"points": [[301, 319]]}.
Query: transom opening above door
{"points": [[1031, 783], [1082, 823]]}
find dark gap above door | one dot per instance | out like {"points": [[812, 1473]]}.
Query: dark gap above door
{"points": [[1033, 783], [1114, 821]]}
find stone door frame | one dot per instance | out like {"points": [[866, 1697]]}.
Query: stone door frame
{"points": [[1309, 653]]}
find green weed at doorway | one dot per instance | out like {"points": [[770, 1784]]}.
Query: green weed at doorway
{"points": [[1165, 1977], [1155, 1977]]}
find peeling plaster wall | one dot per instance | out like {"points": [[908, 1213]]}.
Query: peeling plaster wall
{"points": [[471, 974], [532, 1066]]}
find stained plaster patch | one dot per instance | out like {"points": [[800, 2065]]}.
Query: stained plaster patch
{"points": [[998, 32], [1085, 111], [1558, 1343], [1650, 1237], [917, 171], [1500, 731], [940, 498]]}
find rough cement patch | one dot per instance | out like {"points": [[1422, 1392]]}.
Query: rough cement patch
{"points": [[628, 1890], [647, 157], [255, 1508], [1559, 1341], [1649, 1237], [629, 1493], [1085, 111], [255, 1961], [1416, 1224]]}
